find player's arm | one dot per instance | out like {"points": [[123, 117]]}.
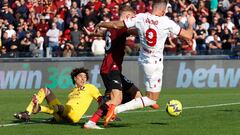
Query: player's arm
{"points": [[111, 25], [132, 31], [96, 33], [188, 33]]}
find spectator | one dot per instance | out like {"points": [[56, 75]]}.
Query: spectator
{"points": [[68, 50], [115, 13], [42, 26], [14, 45], [51, 9], [77, 10], [226, 41], [219, 31], [215, 46], [223, 7], [235, 36], [68, 3], [59, 22], [5, 40], [110, 4], [141, 7], [210, 37], [75, 35], [175, 5], [82, 48], [53, 39], [149, 6], [98, 46], [3, 52], [8, 14], [38, 8], [213, 6], [24, 47], [205, 23], [229, 24], [10, 31], [183, 19], [59, 3], [201, 34], [89, 16], [236, 16], [215, 22], [236, 49], [21, 9], [38, 41], [202, 9], [72, 14]]}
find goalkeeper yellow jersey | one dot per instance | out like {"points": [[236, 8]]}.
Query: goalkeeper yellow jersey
{"points": [[84, 96], [79, 101]]}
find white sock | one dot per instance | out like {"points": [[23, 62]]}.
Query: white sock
{"points": [[91, 122], [135, 104]]}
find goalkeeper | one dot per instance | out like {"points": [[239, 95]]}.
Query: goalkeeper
{"points": [[79, 99]]}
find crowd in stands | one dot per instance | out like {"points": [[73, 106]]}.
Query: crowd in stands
{"points": [[54, 28]]}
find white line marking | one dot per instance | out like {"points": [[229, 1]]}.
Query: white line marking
{"points": [[210, 106], [187, 108], [8, 125], [88, 116]]}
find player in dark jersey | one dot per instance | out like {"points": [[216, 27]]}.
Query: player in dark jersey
{"points": [[118, 87]]}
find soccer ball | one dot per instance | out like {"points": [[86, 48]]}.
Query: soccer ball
{"points": [[174, 107]]}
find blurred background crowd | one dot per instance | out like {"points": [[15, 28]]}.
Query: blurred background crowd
{"points": [[54, 28]]}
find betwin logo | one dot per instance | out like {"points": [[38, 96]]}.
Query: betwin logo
{"points": [[212, 77], [52, 78], [21, 79]]}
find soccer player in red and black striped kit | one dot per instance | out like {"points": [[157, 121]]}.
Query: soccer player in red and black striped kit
{"points": [[118, 87]]}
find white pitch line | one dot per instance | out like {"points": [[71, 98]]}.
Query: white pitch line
{"points": [[210, 106], [8, 125], [186, 108], [88, 116]]}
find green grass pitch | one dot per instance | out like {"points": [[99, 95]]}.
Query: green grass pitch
{"points": [[206, 112]]}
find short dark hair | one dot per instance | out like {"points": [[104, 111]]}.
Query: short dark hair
{"points": [[77, 71]]}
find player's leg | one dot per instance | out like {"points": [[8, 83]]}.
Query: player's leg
{"points": [[91, 124], [33, 105], [136, 103], [153, 83], [52, 101], [37, 99], [115, 78], [115, 86], [130, 91], [112, 82], [55, 107], [102, 110]]}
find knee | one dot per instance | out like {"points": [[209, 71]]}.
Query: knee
{"points": [[46, 91]]}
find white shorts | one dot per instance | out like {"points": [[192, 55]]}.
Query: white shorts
{"points": [[153, 72]]}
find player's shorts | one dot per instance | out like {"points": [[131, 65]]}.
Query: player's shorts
{"points": [[116, 80], [153, 72]]}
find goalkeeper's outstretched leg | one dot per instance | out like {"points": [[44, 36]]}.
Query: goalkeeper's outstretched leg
{"points": [[35, 106]]}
